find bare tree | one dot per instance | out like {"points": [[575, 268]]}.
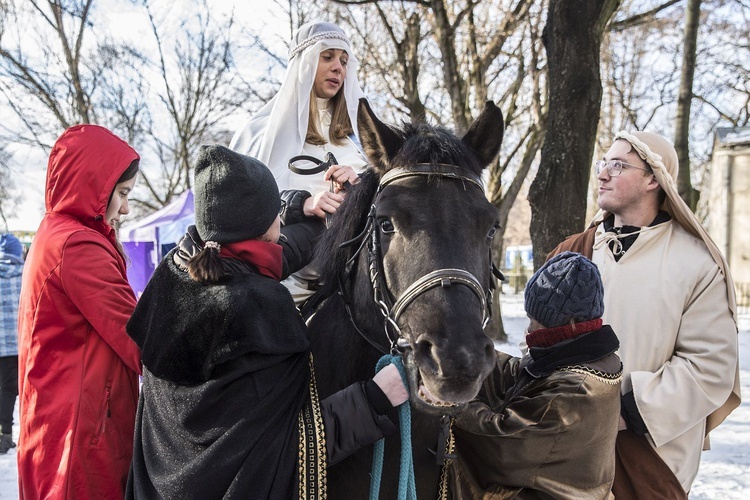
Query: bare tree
{"points": [[124, 101], [52, 81], [529, 117], [75, 73], [557, 196], [196, 92], [721, 87], [684, 102], [639, 65], [8, 199], [641, 94], [407, 62], [57, 80]]}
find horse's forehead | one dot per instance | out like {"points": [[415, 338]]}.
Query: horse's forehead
{"points": [[425, 143], [438, 201], [432, 145]]}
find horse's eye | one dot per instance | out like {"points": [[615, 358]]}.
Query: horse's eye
{"points": [[492, 231], [386, 226]]}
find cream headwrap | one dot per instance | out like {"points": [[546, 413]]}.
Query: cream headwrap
{"points": [[661, 156], [277, 132]]}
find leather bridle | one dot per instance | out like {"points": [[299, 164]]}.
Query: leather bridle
{"points": [[444, 277]]}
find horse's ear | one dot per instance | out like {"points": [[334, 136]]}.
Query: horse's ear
{"points": [[379, 141], [486, 134]]}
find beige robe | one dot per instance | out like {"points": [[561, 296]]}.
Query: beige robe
{"points": [[667, 300]]}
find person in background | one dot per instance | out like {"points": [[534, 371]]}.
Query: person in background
{"points": [[545, 425], [11, 268], [670, 297], [312, 114], [78, 369], [228, 406]]}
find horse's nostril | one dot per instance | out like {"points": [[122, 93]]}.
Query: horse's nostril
{"points": [[490, 350], [424, 356]]}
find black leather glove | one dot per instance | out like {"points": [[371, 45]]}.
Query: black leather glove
{"points": [[292, 206]]}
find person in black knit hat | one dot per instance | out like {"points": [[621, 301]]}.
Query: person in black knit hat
{"points": [[545, 425], [228, 406]]}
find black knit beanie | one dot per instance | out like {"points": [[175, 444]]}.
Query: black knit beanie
{"points": [[236, 196], [567, 288]]}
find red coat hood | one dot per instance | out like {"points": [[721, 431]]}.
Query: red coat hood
{"points": [[83, 169]]}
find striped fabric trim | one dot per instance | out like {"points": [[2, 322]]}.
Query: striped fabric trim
{"points": [[312, 446]]}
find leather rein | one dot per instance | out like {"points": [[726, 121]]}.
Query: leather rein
{"points": [[444, 277]]}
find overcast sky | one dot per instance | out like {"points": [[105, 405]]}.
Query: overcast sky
{"points": [[125, 20]]}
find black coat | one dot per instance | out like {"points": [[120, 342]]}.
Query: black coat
{"points": [[225, 376]]}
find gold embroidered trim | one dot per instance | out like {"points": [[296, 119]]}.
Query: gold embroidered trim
{"points": [[607, 378], [312, 446], [450, 448]]}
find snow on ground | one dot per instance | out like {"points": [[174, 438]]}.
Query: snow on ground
{"points": [[725, 469]]}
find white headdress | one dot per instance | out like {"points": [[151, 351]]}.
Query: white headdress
{"points": [[277, 132]]}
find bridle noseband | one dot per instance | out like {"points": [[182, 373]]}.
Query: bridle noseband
{"points": [[445, 277]]}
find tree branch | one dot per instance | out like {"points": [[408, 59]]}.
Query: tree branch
{"points": [[641, 18]]}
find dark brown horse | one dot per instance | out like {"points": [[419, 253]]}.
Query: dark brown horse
{"points": [[406, 266]]}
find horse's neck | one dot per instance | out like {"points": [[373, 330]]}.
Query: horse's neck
{"points": [[342, 356]]}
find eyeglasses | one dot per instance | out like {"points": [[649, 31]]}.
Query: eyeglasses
{"points": [[614, 167]]}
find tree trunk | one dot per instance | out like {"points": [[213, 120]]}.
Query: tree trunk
{"points": [[684, 101], [572, 38], [496, 329], [455, 84]]}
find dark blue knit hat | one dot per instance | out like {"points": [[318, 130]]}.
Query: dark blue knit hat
{"points": [[10, 247], [567, 288]]}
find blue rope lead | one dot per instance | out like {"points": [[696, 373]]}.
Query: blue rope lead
{"points": [[407, 488]]}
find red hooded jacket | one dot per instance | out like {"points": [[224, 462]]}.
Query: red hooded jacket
{"points": [[78, 369]]}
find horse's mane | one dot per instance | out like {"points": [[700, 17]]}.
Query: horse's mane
{"points": [[348, 221], [423, 143]]}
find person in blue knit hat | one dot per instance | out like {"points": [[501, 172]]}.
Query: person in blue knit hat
{"points": [[545, 424], [11, 269]]}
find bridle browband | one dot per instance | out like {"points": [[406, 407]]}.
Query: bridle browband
{"points": [[429, 169], [445, 277]]}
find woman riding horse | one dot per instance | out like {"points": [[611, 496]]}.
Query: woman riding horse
{"points": [[312, 116]]}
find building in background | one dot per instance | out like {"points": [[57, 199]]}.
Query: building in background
{"points": [[518, 267], [729, 203]]}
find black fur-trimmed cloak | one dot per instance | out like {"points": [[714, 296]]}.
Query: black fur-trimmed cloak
{"points": [[203, 428]]}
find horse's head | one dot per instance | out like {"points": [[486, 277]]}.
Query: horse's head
{"points": [[431, 229]]}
